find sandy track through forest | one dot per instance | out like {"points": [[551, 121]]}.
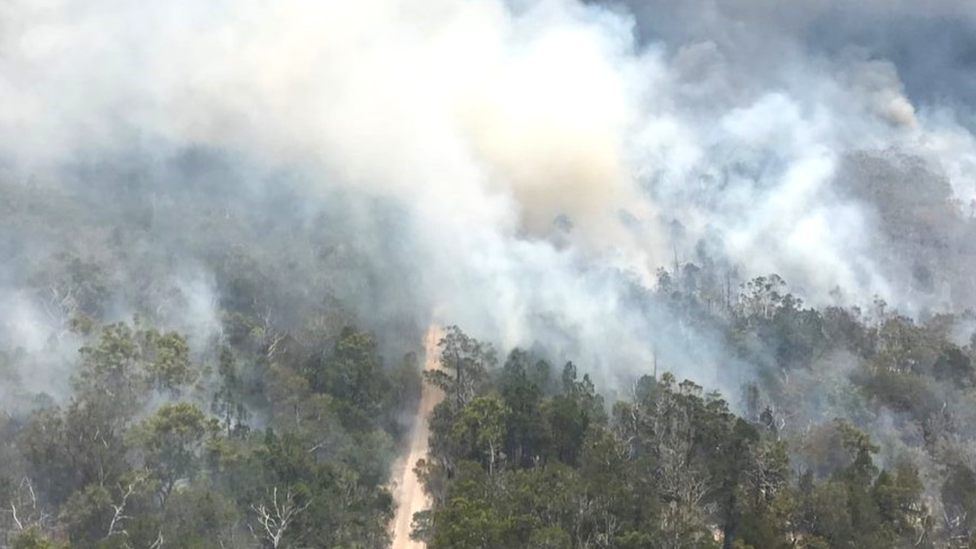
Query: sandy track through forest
{"points": [[409, 493]]}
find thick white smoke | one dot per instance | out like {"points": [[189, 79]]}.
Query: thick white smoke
{"points": [[536, 148]]}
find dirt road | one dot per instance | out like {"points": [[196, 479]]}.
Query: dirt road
{"points": [[409, 493]]}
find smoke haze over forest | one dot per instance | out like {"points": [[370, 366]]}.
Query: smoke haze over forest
{"points": [[510, 166], [263, 207]]}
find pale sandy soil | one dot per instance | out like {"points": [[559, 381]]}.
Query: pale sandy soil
{"points": [[409, 493]]}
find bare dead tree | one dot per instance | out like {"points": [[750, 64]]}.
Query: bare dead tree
{"points": [[158, 542], [24, 509], [684, 487], [59, 305], [272, 337], [116, 526], [274, 520]]}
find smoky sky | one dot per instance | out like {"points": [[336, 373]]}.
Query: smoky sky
{"points": [[932, 44], [520, 168]]}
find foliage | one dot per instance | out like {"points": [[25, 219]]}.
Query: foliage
{"points": [[280, 432]]}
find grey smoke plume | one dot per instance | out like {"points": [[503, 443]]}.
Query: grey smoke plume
{"points": [[515, 167]]}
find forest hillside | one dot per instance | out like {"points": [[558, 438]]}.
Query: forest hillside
{"points": [[487, 274]]}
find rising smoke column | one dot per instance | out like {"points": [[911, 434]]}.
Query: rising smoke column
{"points": [[534, 154]]}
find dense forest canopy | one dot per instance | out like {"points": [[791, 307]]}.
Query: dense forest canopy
{"points": [[698, 274], [857, 432]]}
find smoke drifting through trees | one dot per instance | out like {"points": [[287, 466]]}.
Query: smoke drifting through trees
{"points": [[520, 150], [523, 151], [264, 174]]}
